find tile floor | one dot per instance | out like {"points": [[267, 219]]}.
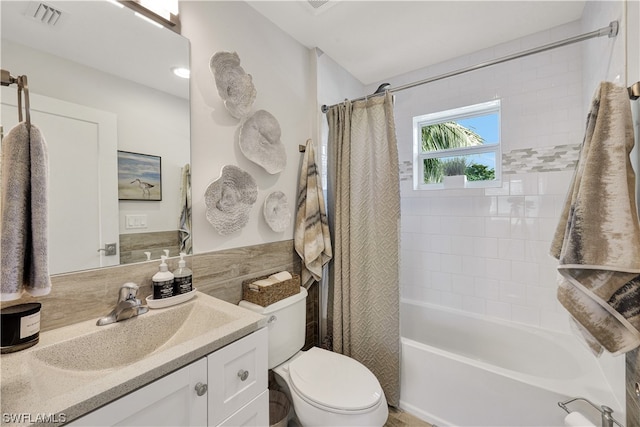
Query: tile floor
{"points": [[399, 418]]}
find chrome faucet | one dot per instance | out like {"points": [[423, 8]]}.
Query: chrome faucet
{"points": [[128, 306]]}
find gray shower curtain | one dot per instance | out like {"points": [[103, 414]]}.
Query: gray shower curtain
{"points": [[364, 212]]}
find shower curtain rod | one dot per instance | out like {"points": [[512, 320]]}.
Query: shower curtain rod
{"points": [[611, 30]]}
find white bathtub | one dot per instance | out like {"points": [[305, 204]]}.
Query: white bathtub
{"points": [[459, 369]]}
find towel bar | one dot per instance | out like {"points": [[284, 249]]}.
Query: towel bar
{"points": [[21, 81]]}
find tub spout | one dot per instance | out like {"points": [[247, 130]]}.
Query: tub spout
{"points": [[607, 417], [606, 412]]}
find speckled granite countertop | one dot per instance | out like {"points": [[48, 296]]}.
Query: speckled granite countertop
{"points": [[60, 379]]}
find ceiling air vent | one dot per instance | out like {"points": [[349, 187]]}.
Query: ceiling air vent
{"points": [[317, 3], [44, 13], [318, 6]]}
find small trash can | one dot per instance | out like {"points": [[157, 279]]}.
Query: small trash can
{"points": [[279, 407]]}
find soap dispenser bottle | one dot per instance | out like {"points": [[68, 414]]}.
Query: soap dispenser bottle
{"points": [[183, 277], [163, 281]]}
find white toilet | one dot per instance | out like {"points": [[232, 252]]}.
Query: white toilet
{"points": [[326, 388]]}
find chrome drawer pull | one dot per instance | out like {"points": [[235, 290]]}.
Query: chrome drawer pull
{"points": [[201, 389], [243, 374]]}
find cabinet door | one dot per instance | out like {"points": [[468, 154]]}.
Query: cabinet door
{"points": [[169, 401], [255, 414], [237, 375]]}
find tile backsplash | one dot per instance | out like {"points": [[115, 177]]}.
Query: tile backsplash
{"points": [[85, 295]]}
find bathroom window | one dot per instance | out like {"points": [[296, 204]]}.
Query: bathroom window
{"points": [[458, 148]]}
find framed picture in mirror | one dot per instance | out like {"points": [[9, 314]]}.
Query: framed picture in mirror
{"points": [[139, 176]]}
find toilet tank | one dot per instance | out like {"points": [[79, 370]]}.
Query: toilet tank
{"points": [[287, 323]]}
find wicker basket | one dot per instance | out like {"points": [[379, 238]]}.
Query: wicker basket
{"points": [[270, 294]]}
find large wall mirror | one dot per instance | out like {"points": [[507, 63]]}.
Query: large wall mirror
{"points": [[116, 121]]}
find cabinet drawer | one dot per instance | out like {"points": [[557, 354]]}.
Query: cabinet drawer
{"points": [[168, 401], [255, 414], [237, 374]]}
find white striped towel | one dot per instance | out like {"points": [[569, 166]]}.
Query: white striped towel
{"points": [[311, 237]]}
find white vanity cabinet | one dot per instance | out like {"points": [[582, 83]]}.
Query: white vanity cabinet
{"points": [[238, 376], [226, 388]]}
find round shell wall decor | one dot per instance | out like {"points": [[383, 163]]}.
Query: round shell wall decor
{"points": [[229, 199], [260, 142], [276, 211], [234, 85]]}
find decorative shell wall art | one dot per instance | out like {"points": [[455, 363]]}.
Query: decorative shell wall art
{"points": [[229, 199], [234, 85], [260, 142], [276, 211]]}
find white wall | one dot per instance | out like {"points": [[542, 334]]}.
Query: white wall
{"points": [[284, 80], [149, 121], [335, 84]]}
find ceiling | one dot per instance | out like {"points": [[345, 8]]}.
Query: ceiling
{"points": [[100, 35], [375, 40]]}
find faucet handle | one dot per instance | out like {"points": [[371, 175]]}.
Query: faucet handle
{"points": [[128, 291]]}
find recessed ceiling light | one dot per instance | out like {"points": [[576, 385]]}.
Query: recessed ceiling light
{"points": [[181, 72]]}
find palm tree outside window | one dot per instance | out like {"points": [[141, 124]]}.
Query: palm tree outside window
{"points": [[463, 141]]}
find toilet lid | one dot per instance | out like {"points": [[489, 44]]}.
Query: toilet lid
{"points": [[334, 381]]}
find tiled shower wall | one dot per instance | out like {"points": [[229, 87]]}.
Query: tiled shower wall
{"points": [[486, 250]]}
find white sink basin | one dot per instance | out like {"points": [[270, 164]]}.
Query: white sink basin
{"points": [[78, 368], [128, 341]]}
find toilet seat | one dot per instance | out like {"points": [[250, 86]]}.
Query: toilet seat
{"points": [[334, 382]]}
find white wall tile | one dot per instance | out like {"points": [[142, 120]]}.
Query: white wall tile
{"points": [[462, 245], [525, 272], [499, 269], [524, 228], [513, 293], [474, 266], [451, 263], [541, 297], [463, 285], [524, 184], [485, 247], [497, 227], [498, 309], [487, 250], [511, 249]]}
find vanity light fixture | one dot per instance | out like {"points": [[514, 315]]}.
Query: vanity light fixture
{"points": [[181, 72], [149, 20], [163, 12]]}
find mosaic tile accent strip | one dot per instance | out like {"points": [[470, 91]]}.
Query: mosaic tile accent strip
{"points": [[406, 171], [543, 159]]}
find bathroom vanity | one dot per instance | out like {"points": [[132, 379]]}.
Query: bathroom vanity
{"points": [[226, 388], [202, 362]]}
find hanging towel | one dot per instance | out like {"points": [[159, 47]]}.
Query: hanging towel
{"points": [[597, 241], [25, 174], [184, 222], [311, 237]]}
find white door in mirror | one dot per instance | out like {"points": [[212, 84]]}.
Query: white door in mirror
{"points": [[83, 213]]}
